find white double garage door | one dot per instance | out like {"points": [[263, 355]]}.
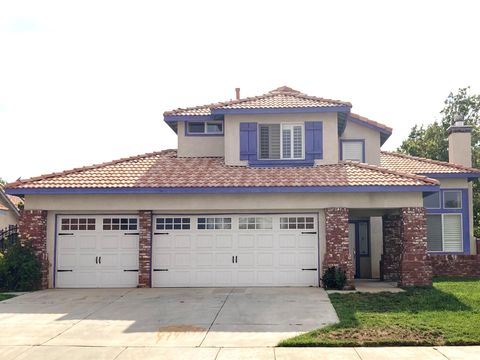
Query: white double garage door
{"points": [[189, 250]]}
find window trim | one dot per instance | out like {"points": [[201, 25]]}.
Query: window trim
{"points": [[362, 141], [290, 125], [450, 191], [462, 240], [205, 131]]}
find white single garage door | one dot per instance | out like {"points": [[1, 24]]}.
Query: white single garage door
{"points": [[235, 250], [97, 251]]}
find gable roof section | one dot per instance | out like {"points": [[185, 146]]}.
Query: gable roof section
{"points": [[384, 130], [417, 165], [164, 172], [280, 98]]}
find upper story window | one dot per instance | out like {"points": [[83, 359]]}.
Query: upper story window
{"points": [[205, 128], [281, 141], [431, 200], [452, 199], [353, 150]]}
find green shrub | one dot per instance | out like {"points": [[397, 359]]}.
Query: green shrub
{"points": [[334, 278], [19, 268]]}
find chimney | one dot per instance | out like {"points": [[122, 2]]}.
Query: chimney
{"points": [[460, 142], [237, 92]]}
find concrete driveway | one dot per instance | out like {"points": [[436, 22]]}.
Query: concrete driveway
{"points": [[199, 317]]}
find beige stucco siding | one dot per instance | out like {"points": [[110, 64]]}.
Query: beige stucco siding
{"points": [[232, 133], [198, 146], [7, 217], [372, 140], [223, 202]]}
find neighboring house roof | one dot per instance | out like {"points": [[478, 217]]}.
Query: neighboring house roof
{"points": [[9, 202], [281, 98], [165, 172], [417, 165]]}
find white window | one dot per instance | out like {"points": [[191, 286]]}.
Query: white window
{"points": [[444, 232], [281, 141], [353, 150], [172, 223], [205, 127], [255, 223], [431, 200], [217, 223], [120, 224], [78, 224], [452, 199], [294, 223]]}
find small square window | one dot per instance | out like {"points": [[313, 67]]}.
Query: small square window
{"points": [[452, 199], [196, 127]]}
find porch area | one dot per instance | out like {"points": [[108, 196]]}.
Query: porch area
{"points": [[393, 248]]}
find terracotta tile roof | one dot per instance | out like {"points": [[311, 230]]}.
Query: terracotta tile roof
{"points": [[417, 165], [371, 122], [283, 97], [15, 200], [165, 170]]}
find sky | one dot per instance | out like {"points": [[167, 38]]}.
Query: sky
{"points": [[84, 82]]}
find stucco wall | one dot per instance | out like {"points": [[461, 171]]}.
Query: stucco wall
{"points": [[197, 146], [7, 217], [232, 133], [223, 202], [372, 140]]}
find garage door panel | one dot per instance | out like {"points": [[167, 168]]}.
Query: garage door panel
{"points": [[94, 254], [246, 241], [267, 251]]}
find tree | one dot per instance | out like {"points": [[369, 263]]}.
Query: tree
{"points": [[432, 141], [2, 182]]}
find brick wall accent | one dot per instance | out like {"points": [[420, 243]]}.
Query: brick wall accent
{"points": [[32, 226], [145, 249], [337, 251], [456, 265], [415, 264], [392, 247]]}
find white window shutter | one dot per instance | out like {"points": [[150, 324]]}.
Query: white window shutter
{"points": [[352, 150], [452, 232]]}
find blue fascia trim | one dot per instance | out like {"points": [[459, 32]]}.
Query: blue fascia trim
{"points": [[273, 163], [352, 140], [176, 118], [464, 210], [371, 126], [281, 110], [213, 190], [470, 176]]}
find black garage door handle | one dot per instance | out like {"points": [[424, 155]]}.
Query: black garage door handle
{"points": [[308, 232], [160, 269], [129, 270], [310, 269], [64, 270]]}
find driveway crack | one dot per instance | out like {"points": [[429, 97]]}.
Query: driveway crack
{"points": [[216, 316]]}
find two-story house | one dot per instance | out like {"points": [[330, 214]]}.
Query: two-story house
{"points": [[262, 191]]}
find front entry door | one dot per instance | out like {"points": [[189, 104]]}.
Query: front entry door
{"points": [[359, 236]]}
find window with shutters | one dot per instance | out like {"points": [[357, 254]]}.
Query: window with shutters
{"points": [[353, 150], [281, 141], [444, 233], [446, 211]]}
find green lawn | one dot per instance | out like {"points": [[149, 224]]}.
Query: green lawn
{"points": [[5, 296], [447, 314]]}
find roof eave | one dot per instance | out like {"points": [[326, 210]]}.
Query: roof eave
{"points": [[244, 189]]}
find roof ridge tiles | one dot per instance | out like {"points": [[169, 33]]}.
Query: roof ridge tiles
{"points": [[270, 94], [431, 161], [373, 122]]}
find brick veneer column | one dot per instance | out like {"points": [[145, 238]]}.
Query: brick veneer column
{"points": [[145, 249], [337, 251], [415, 264], [392, 247], [32, 226]]}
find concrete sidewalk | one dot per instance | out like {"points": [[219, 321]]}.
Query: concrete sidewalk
{"points": [[261, 353]]}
